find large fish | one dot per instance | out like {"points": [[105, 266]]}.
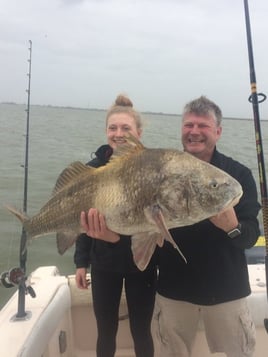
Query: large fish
{"points": [[141, 192]]}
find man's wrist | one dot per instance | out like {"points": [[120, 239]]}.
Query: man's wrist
{"points": [[233, 233], [115, 238]]}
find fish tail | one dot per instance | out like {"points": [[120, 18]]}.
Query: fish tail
{"points": [[20, 215]]}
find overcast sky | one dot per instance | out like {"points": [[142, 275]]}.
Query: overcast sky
{"points": [[162, 53]]}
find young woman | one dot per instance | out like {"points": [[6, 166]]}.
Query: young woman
{"points": [[112, 263]]}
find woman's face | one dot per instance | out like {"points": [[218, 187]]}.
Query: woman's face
{"points": [[118, 126]]}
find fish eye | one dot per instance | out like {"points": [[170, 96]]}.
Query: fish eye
{"points": [[214, 184]]}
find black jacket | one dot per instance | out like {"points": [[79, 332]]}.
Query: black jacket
{"points": [[114, 257], [216, 269]]}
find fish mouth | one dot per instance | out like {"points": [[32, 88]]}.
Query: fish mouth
{"points": [[233, 202]]}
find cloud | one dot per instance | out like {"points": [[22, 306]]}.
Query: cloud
{"points": [[162, 53]]}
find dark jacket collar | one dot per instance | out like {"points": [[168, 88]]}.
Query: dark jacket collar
{"points": [[104, 153]]}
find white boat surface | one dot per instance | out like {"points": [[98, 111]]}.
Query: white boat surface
{"points": [[60, 320]]}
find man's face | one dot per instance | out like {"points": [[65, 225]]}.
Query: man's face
{"points": [[199, 135]]}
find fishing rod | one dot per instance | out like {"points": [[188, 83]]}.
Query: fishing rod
{"points": [[256, 98], [20, 273], [17, 276], [23, 250]]}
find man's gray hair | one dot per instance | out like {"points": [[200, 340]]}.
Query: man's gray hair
{"points": [[203, 107]]}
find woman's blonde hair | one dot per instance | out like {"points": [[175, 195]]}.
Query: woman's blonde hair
{"points": [[123, 104]]}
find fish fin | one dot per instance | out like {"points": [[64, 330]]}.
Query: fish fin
{"points": [[24, 219], [160, 240], [132, 145], [20, 215], [70, 173], [155, 214], [65, 240], [143, 246]]}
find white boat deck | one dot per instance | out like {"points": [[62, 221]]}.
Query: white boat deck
{"points": [[62, 324]]}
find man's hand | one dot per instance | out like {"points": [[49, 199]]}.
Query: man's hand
{"points": [[95, 226], [225, 220]]}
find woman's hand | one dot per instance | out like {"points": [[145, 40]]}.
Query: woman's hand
{"points": [[94, 225], [81, 278]]}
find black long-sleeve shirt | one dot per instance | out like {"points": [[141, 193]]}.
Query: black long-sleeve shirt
{"points": [[216, 269]]}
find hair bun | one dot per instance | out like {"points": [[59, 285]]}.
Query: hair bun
{"points": [[123, 101]]}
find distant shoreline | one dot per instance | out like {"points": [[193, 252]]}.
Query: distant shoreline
{"points": [[104, 110]]}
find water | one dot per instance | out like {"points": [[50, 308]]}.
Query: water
{"points": [[59, 136]]}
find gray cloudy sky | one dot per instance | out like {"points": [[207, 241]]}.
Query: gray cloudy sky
{"points": [[162, 53]]}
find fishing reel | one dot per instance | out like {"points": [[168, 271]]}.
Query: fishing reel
{"points": [[16, 277]]}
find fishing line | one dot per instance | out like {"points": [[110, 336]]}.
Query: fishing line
{"points": [[12, 240], [12, 182]]}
